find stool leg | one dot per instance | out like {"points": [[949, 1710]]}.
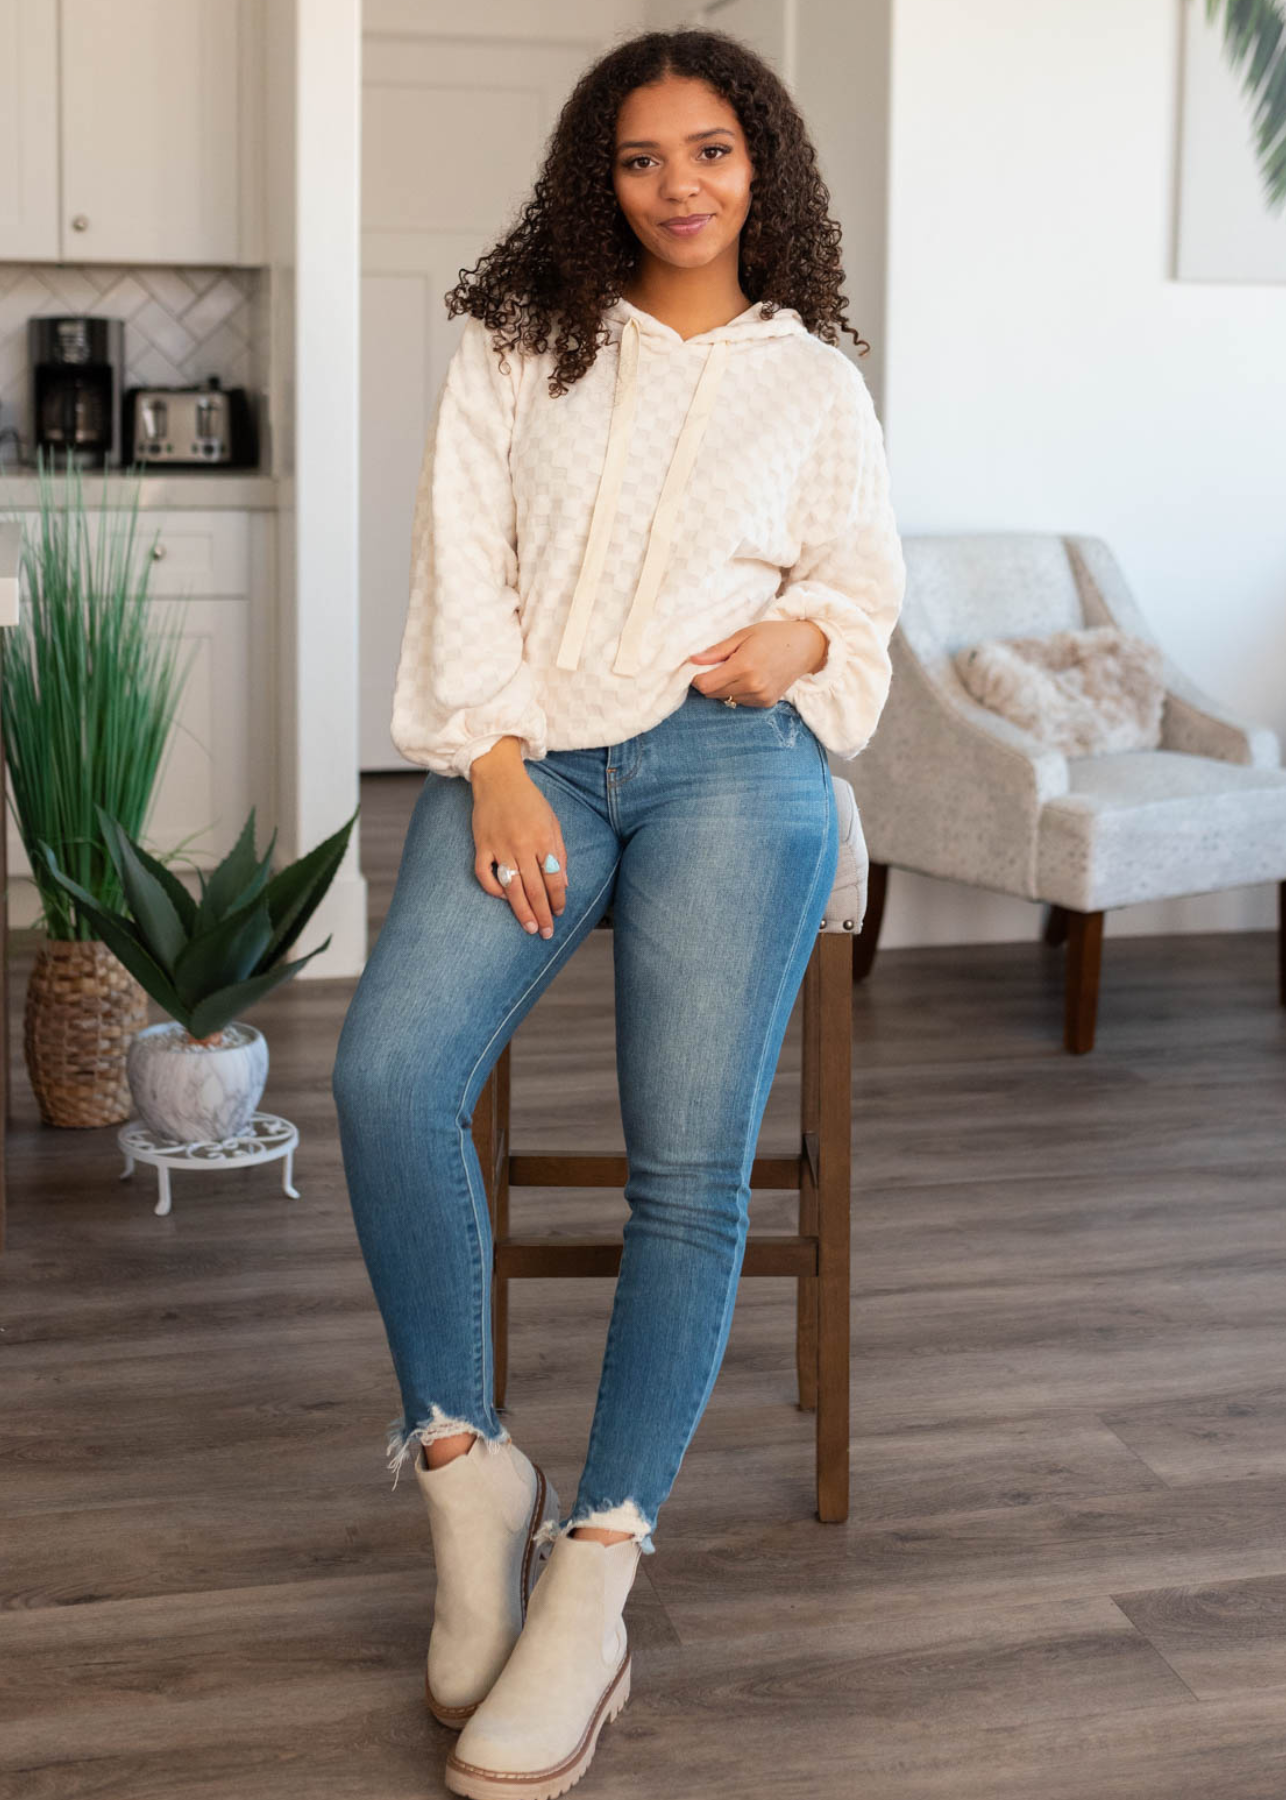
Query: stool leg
{"points": [[833, 1247], [810, 1113], [866, 940], [500, 1228]]}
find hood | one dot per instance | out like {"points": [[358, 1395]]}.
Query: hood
{"points": [[636, 334], [748, 327]]}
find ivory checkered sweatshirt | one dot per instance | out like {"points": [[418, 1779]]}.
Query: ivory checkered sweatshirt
{"points": [[570, 555]]}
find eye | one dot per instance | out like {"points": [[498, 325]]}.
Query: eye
{"points": [[720, 151]]}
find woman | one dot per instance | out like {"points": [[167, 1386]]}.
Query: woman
{"points": [[655, 572]]}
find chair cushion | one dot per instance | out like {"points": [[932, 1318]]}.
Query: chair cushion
{"points": [[846, 907], [1085, 692], [1154, 824]]}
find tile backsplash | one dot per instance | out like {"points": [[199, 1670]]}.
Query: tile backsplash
{"points": [[181, 324]]}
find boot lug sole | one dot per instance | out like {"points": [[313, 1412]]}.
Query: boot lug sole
{"points": [[543, 1784]]}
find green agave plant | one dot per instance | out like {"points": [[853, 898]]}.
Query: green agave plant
{"points": [[205, 961]]}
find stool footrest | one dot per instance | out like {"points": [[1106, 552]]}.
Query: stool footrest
{"points": [[766, 1254], [581, 1168]]}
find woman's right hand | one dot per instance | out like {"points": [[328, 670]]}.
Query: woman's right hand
{"points": [[513, 823]]}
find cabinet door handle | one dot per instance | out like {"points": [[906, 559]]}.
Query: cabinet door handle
{"points": [[158, 551], [80, 223]]}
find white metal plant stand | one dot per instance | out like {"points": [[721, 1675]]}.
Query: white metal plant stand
{"points": [[265, 1138]]}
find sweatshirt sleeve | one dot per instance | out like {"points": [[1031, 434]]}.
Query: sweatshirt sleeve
{"points": [[461, 681], [849, 576]]}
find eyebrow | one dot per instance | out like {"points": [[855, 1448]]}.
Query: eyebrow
{"points": [[651, 144]]}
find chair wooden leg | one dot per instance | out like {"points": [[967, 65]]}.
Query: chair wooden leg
{"points": [[500, 1229], [1084, 959], [864, 944], [810, 1113], [834, 1199], [1056, 926]]}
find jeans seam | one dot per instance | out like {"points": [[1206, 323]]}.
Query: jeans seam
{"points": [[482, 1274]]}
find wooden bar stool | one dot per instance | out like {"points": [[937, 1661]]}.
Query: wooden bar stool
{"points": [[818, 1255]]}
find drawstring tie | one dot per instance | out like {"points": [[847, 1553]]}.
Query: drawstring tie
{"points": [[661, 533]]}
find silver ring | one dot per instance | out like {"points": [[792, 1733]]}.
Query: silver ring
{"points": [[730, 702], [504, 874]]}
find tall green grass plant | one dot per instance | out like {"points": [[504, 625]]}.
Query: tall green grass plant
{"points": [[90, 689]]}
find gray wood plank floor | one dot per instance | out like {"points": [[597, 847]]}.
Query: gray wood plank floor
{"points": [[1065, 1569]]}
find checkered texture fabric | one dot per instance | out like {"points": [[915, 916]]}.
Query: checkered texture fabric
{"points": [[785, 514]]}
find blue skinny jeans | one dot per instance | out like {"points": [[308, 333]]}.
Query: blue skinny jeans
{"points": [[714, 838]]}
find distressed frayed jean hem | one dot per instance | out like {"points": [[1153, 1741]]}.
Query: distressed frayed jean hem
{"points": [[404, 1439], [626, 1517]]}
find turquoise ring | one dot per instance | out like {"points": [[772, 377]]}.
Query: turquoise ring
{"points": [[551, 864]]}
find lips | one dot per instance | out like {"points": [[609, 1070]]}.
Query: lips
{"points": [[687, 225]]}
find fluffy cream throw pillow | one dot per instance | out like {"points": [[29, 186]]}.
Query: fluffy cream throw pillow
{"points": [[1082, 692]]}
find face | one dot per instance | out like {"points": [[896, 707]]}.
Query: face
{"points": [[680, 152]]}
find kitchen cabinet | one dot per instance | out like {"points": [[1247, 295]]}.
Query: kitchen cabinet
{"points": [[28, 131], [144, 141], [212, 571]]}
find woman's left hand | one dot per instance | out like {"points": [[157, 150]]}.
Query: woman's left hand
{"points": [[757, 664]]}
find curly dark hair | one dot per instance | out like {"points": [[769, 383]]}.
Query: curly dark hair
{"points": [[572, 250]]}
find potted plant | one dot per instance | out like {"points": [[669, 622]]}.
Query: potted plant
{"points": [[198, 1076], [88, 697]]}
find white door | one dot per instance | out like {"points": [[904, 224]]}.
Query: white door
{"points": [[453, 131]]}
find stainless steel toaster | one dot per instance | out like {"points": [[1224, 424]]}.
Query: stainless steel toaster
{"points": [[208, 426]]}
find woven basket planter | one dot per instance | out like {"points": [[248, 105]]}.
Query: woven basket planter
{"points": [[82, 1011]]}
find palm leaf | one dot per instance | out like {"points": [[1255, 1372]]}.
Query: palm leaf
{"points": [[1254, 41]]}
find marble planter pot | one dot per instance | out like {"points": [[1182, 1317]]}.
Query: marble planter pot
{"points": [[191, 1092]]}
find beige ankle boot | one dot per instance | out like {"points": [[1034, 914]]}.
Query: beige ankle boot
{"points": [[485, 1508], [535, 1734]]}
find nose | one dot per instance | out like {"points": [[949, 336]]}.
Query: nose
{"points": [[678, 187]]}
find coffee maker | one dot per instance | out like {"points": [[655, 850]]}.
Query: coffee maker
{"points": [[77, 367]]}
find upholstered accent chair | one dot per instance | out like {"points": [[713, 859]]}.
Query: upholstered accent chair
{"points": [[947, 787]]}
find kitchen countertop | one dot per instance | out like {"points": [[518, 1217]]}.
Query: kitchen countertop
{"points": [[165, 491]]}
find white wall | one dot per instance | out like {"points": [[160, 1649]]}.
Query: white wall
{"points": [[842, 90], [1044, 371], [317, 45]]}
